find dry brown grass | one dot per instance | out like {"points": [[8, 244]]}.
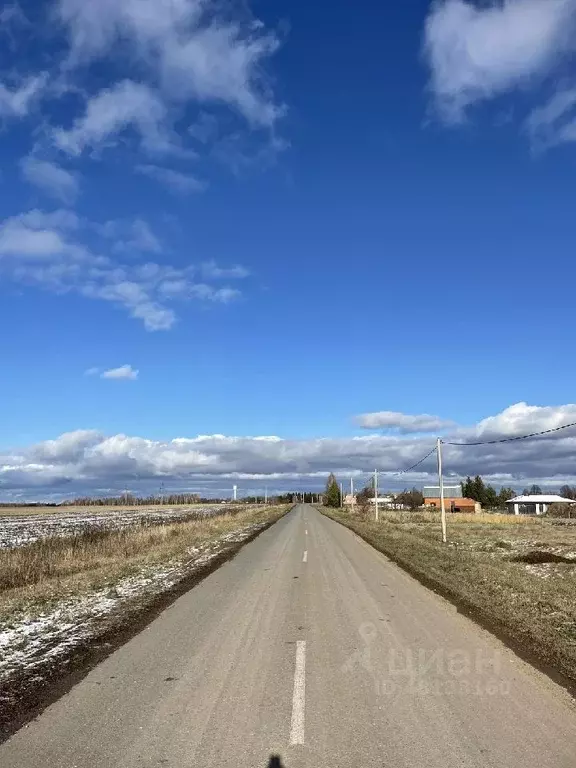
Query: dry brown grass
{"points": [[90, 510], [52, 568], [458, 518], [533, 604]]}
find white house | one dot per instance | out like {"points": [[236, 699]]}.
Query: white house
{"points": [[536, 504]]}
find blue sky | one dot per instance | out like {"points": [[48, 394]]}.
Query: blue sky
{"points": [[270, 220]]}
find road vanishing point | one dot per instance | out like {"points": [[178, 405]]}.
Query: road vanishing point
{"points": [[308, 649]]}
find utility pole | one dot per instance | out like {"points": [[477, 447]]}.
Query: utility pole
{"points": [[235, 492], [376, 494], [441, 484], [266, 495], [352, 487], [341, 495]]}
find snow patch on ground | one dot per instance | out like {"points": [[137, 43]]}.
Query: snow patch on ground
{"points": [[30, 642], [25, 529]]}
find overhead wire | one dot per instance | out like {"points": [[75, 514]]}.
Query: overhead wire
{"points": [[510, 439], [409, 469]]}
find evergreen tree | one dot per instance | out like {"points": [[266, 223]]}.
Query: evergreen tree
{"points": [[534, 490], [478, 490], [467, 488], [490, 497], [504, 495], [332, 495]]}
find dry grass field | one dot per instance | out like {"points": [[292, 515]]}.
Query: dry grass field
{"points": [[49, 569], [91, 509], [515, 574], [18, 528]]}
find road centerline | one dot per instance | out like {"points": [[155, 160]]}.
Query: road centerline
{"points": [[305, 558], [299, 695]]}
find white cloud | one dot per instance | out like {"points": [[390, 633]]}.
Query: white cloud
{"points": [[521, 418], [50, 178], [46, 249], [213, 271], [113, 110], [403, 422], [135, 235], [124, 372], [61, 218], [18, 101], [479, 50], [89, 458], [18, 240], [555, 122], [182, 183], [188, 46]]}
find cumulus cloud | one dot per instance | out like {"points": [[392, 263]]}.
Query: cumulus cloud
{"points": [[90, 459], [113, 110], [47, 250], [176, 181], [521, 419], [403, 422], [51, 178], [187, 46], [123, 373], [477, 51], [18, 101]]}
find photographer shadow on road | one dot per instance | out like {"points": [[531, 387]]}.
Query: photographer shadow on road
{"points": [[275, 762]]}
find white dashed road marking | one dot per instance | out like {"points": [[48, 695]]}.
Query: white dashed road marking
{"points": [[305, 558], [299, 695]]}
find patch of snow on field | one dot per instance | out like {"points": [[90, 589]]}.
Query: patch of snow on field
{"points": [[25, 529], [32, 642]]}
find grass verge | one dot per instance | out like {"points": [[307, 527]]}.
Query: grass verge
{"points": [[534, 611]]}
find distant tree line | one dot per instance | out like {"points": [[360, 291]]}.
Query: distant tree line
{"points": [[487, 495], [128, 500]]}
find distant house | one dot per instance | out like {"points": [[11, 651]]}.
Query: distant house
{"points": [[536, 504], [453, 499]]}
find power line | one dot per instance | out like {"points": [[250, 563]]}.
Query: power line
{"points": [[404, 471], [519, 437]]}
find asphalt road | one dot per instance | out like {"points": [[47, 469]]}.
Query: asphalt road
{"points": [[311, 646]]}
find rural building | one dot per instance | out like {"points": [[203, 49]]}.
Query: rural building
{"points": [[453, 499], [536, 504]]}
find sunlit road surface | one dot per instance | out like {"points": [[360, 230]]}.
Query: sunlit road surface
{"points": [[311, 646]]}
